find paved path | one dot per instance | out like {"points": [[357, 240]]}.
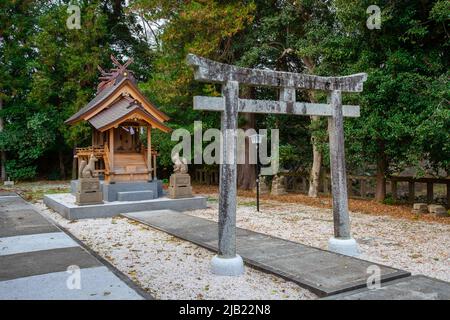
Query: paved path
{"points": [[409, 288], [323, 272], [35, 256]]}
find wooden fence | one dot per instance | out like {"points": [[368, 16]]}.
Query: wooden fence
{"points": [[362, 187]]}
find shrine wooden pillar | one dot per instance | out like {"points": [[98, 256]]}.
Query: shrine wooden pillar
{"points": [[149, 152], [111, 154]]}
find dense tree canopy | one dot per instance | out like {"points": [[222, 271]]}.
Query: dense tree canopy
{"points": [[49, 71]]}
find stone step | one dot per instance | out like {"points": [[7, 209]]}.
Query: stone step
{"points": [[135, 195]]}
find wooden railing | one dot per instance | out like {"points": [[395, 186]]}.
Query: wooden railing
{"points": [[144, 151], [430, 182], [87, 151], [209, 177]]}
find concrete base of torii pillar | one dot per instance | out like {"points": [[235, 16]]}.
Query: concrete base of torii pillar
{"points": [[227, 266], [348, 247]]}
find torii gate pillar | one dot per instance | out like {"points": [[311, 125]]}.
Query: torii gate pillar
{"points": [[227, 262], [342, 242]]}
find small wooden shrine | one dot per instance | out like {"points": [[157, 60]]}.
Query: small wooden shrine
{"points": [[118, 114]]}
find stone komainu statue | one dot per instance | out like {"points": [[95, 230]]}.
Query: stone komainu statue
{"points": [[180, 181], [179, 164], [87, 170]]}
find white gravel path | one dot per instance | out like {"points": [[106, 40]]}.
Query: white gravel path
{"points": [[416, 246], [170, 268]]}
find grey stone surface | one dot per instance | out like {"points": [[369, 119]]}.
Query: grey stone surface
{"points": [[111, 209], [135, 195], [420, 207], [437, 209], [35, 242], [348, 246], [411, 288], [23, 222], [97, 283], [276, 107], [228, 172], [45, 261], [88, 188], [12, 203], [8, 194], [211, 71], [33, 264], [323, 272], [337, 167], [110, 191], [227, 266]]}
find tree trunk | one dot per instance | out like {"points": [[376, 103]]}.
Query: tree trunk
{"points": [[74, 163], [246, 175], [2, 152], [380, 193], [314, 177], [62, 169]]}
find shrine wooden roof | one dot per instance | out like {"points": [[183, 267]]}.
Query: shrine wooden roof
{"points": [[117, 97], [124, 110]]}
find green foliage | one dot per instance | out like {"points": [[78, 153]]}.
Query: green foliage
{"points": [[404, 106], [48, 72], [20, 171], [389, 201]]}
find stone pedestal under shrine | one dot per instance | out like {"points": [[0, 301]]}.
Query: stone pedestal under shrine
{"points": [[180, 186], [88, 192]]}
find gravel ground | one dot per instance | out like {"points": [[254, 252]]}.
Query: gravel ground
{"points": [[170, 268], [416, 246]]}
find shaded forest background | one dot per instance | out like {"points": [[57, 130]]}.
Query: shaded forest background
{"points": [[48, 72]]}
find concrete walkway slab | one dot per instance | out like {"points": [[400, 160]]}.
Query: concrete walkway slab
{"points": [[43, 262], [324, 273], [24, 222], [35, 256], [95, 284], [35, 242], [410, 288]]}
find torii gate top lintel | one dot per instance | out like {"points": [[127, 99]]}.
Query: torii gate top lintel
{"points": [[212, 71]]}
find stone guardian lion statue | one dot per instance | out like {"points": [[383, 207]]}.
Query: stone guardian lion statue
{"points": [[179, 164], [87, 170]]}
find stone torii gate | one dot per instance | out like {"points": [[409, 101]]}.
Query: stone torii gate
{"points": [[227, 262]]}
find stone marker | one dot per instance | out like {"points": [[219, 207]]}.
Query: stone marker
{"points": [[420, 208], [263, 187], [88, 189], [278, 185], [180, 180], [8, 183], [437, 209]]}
